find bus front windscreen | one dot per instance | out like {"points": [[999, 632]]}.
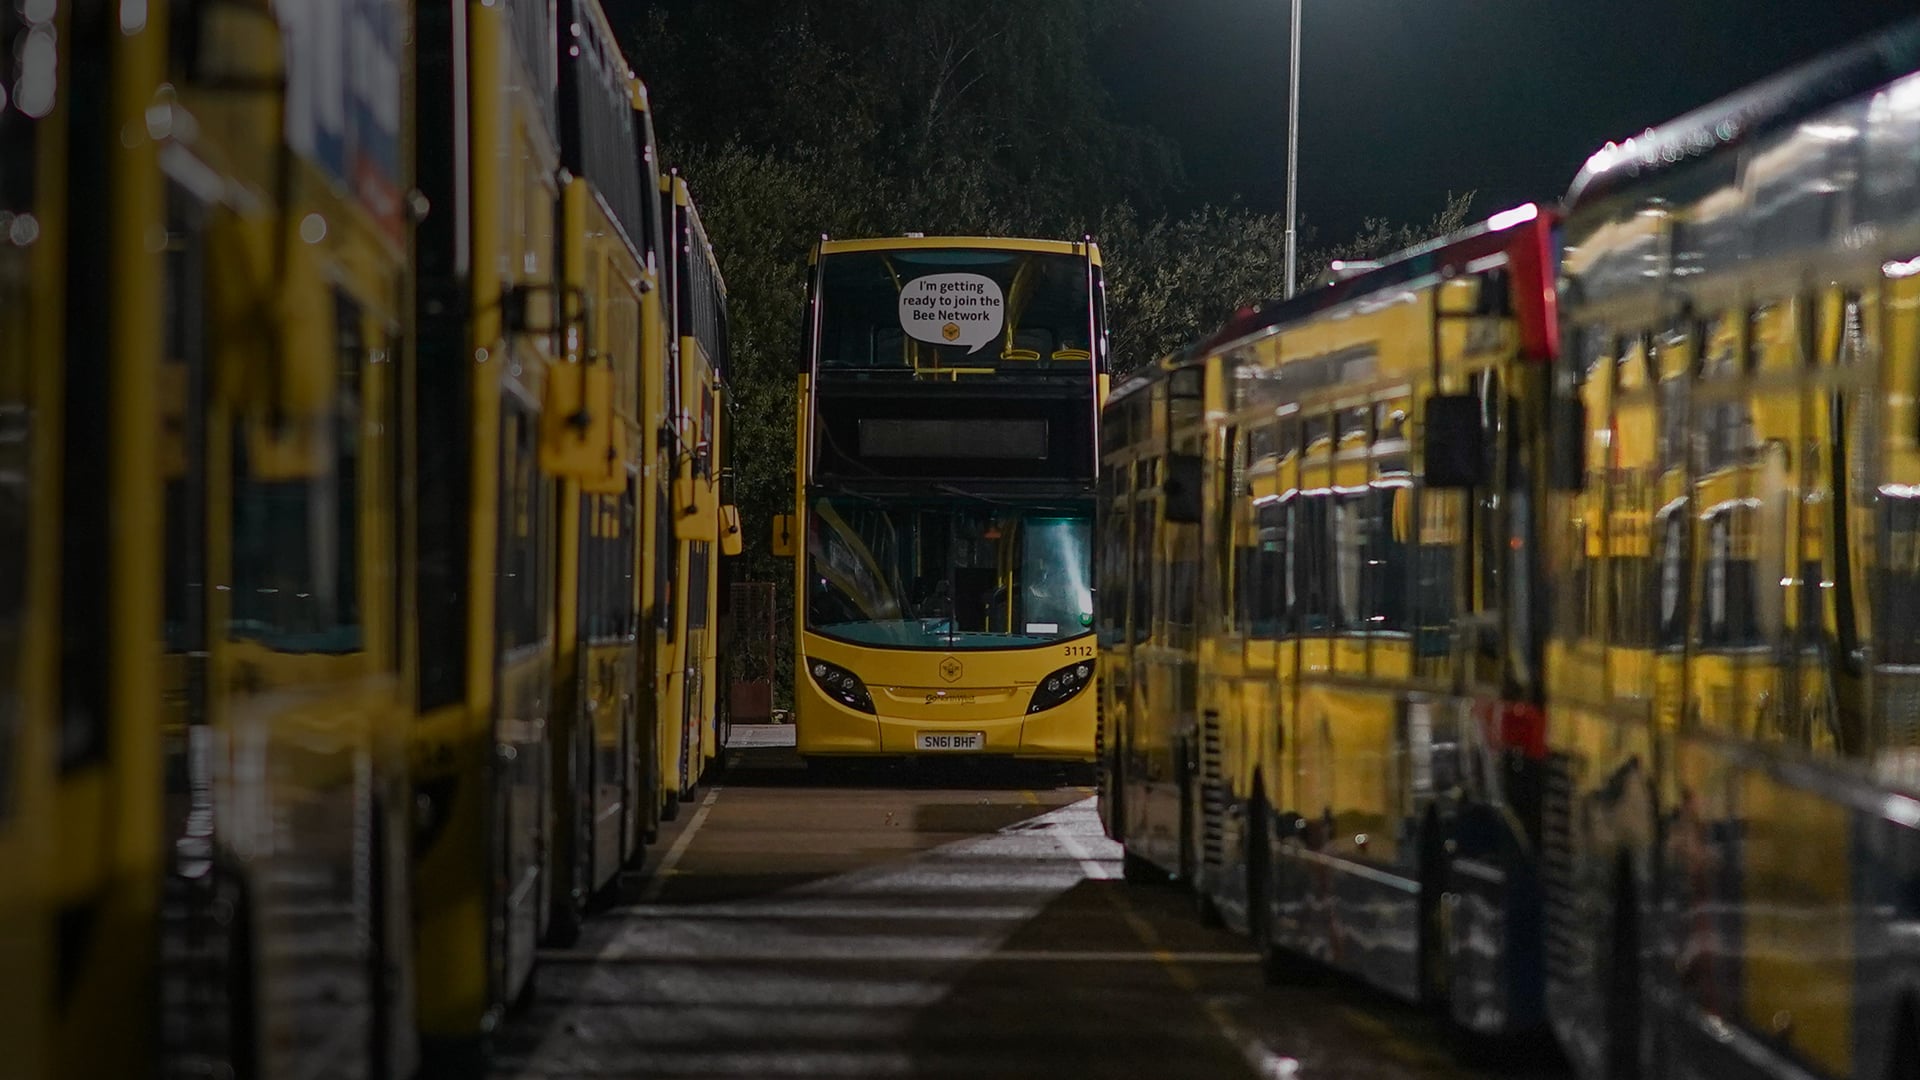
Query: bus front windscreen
{"points": [[927, 309], [947, 575]]}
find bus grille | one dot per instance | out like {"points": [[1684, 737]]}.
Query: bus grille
{"points": [[1556, 856], [1213, 793]]}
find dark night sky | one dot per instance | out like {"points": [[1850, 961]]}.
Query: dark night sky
{"points": [[1404, 100]]}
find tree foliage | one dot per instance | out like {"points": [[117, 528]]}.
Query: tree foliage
{"points": [[1173, 279]]}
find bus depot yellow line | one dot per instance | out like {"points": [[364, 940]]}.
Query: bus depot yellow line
{"points": [[679, 848], [1264, 1062]]}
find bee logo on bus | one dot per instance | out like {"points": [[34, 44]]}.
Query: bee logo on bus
{"points": [[951, 670]]}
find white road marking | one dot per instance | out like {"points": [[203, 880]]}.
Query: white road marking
{"points": [[1096, 869], [665, 870], [741, 736]]}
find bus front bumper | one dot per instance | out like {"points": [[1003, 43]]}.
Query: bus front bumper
{"points": [[827, 728]]}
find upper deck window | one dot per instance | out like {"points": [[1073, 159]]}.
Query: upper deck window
{"points": [[955, 310]]}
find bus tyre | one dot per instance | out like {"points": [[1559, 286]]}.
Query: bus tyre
{"points": [[1624, 1018], [455, 1058], [1259, 865], [1205, 909], [382, 986], [238, 1049], [566, 914], [1436, 976], [566, 908], [1903, 1057], [1138, 871]]}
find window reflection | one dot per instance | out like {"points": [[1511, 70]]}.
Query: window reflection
{"points": [[949, 574], [296, 565]]}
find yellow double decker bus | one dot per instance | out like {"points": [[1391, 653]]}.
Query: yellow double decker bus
{"points": [[334, 375], [1321, 589], [692, 538], [1728, 826], [203, 770], [943, 519]]}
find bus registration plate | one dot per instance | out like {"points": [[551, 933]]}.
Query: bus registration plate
{"points": [[950, 740]]}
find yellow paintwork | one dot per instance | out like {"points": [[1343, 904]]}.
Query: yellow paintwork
{"points": [[996, 243], [911, 694], [32, 296], [464, 980], [1318, 699], [1330, 703], [300, 748], [691, 734], [306, 756], [1743, 729]]}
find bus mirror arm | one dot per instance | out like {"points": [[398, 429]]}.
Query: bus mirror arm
{"points": [[1567, 444]]}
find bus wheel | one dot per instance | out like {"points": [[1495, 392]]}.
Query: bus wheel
{"points": [[1903, 1058], [1436, 980], [1206, 909], [1136, 870], [382, 987], [1623, 1013], [455, 1058], [566, 907], [1259, 864]]}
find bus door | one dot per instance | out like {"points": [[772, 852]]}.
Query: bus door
{"points": [[197, 884], [522, 681], [1176, 681]]}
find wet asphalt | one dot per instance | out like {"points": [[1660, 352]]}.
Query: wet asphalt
{"points": [[940, 919]]}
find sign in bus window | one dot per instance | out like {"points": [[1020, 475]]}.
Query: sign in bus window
{"points": [[931, 310]]}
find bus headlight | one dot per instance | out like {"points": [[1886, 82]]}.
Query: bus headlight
{"points": [[1061, 686], [841, 685]]}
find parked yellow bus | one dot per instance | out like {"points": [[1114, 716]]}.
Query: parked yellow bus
{"points": [[942, 529], [1729, 841], [326, 429], [696, 303], [81, 777], [1320, 588], [207, 416]]}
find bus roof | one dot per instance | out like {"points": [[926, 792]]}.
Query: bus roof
{"points": [[676, 185], [1766, 106], [997, 243], [1524, 234]]}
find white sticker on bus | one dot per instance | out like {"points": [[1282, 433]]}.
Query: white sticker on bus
{"points": [[953, 309], [1043, 628]]}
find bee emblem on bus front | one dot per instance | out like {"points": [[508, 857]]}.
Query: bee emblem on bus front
{"points": [[950, 669]]}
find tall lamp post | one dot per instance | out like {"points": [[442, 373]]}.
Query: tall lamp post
{"points": [[1293, 140]]}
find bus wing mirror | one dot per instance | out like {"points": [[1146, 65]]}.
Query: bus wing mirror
{"points": [[730, 538], [696, 520], [1182, 489], [1454, 443], [576, 420], [783, 546], [1567, 443]]}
